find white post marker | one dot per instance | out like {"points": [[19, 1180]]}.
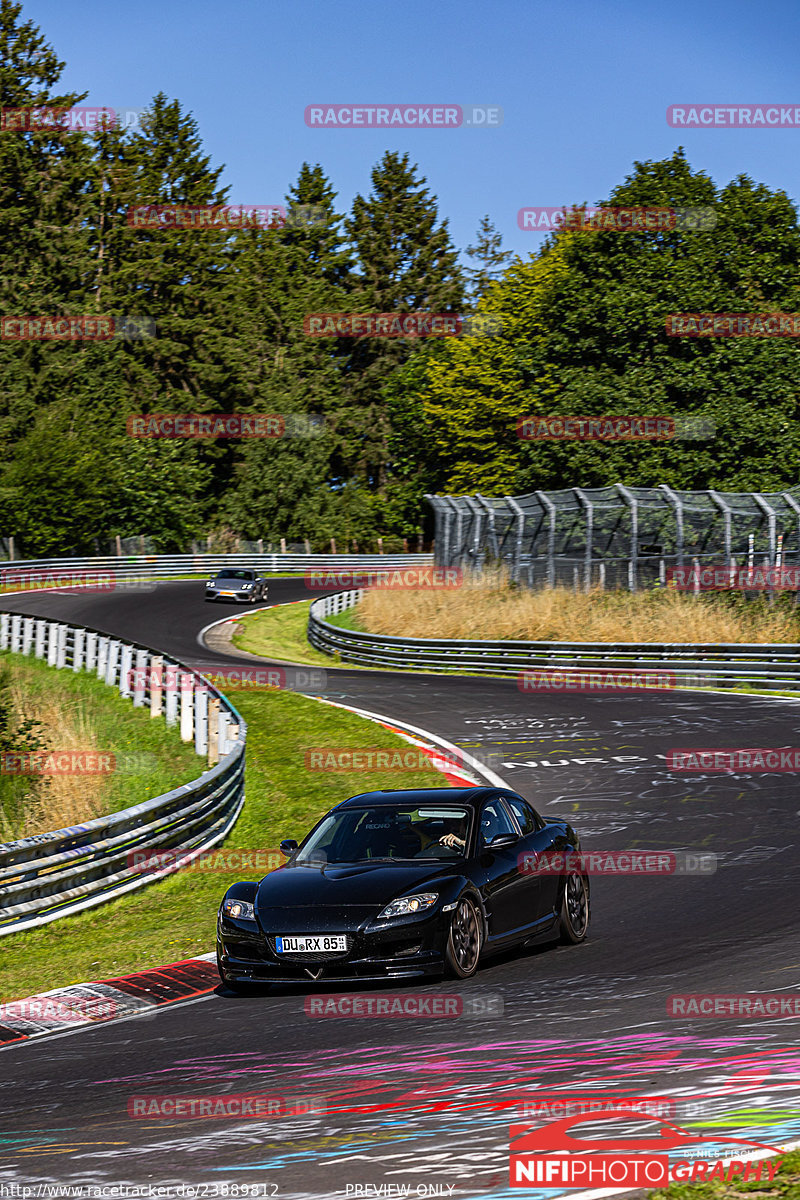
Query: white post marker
{"points": [[79, 640], [140, 679], [156, 684], [171, 701], [112, 662], [126, 663], [187, 707], [200, 718]]}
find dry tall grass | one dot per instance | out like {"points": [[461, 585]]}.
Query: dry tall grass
{"points": [[57, 801], [487, 607]]}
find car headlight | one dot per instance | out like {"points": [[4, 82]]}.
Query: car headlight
{"points": [[245, 586], [242, 910], [409, 904], [210, 583]]}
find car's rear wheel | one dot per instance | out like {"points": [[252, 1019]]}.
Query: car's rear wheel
{"points": [[464, 940], [574, 920]]}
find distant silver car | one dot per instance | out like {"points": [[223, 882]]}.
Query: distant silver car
{"points": [[237, 583]]}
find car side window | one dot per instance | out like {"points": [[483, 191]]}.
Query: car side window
{"points": [[494, 821], [524, 814]]}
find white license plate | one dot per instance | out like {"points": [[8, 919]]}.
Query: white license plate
{"points": [[311, 943]]}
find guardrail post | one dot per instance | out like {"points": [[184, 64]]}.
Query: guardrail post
{"points": [[40, 637], [187, 706], [112, 661], [61, 646], [52, 643], [102, 656], [171, 694], [156, 684], [125, 670], [200, 718], [5, 627], [78, 641], [28, 626], [213, 730], [140, 679], [91, 651], [16, 633]]}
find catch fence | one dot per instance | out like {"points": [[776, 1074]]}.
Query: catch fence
{"points": [[615, 537]]}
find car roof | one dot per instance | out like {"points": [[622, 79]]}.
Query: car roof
{"points": [[469, 796]]}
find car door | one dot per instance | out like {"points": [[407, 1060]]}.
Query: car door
{"points": [[504, 887], [541, 894]]}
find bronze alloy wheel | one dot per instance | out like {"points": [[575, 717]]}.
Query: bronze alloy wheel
{"points": [[464, 940], [575, 908]]}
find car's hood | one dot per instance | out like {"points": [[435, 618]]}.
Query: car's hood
{"points": [[296, 885]]}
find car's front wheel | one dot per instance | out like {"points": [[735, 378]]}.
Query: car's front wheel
{"points": [[574, 920], [464, 940]]}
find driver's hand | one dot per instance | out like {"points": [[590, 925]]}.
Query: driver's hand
{"points": [[452, 841]]}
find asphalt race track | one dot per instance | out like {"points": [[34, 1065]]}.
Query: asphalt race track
{"points": [[425, 1104]]}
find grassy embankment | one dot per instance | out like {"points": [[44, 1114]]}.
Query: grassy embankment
{"points": [[175, 919]]}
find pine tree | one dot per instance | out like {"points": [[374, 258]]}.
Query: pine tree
{"points": [[492, 259], [407, 264]]}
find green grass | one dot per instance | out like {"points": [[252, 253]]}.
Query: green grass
{"points": [[175, 919], [151, 758], [282, 632], [785, 1186]]}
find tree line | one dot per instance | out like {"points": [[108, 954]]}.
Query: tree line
{"points": [[577, 328]]}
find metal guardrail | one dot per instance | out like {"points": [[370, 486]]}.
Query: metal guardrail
{"points": [[164, 566], [768, 666], [52, 875]]}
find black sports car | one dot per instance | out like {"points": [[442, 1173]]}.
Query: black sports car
{"points": [[402, 883], [237, 583]]}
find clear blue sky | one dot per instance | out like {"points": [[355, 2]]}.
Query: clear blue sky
{"points": [[584, 88]]}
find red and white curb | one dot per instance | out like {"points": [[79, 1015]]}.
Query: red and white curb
{"points": [[106, 1000]]}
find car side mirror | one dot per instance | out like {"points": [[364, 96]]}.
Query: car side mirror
{"points": [[288, 846], [500, 840]]}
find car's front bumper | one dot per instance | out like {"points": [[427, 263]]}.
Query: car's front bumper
{"points": [[228, 594], [396, 950]]}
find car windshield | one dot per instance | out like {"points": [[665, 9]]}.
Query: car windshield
{"points": [[234, 575], [386, 833]]}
